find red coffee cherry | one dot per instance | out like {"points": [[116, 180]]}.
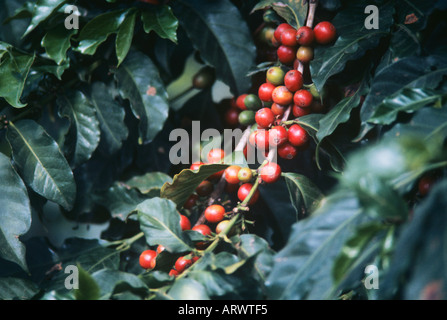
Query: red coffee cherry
{"points": [[280, 29], [214, 213], [265, 91], [196, 165], [243, 192], [281, 95], [270, 173], [293, 80], [277, 109], [231, 174], [191, 201], [299, 112], [205, 188], [204, 230], [305, 54], [262, 140], [305, 36], [215, 155], [232, 117], [173, 273], [288, 37], [278, 135], [297, 135], [147, 259], [303, 98], [325, 32], [286, 54], [264, 117], [287, 151], [185, 224], [425, 184], [240, 102], [182, 264]]}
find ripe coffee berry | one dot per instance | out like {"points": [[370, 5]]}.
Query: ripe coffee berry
{"points": [[196, 165], [185, 224], [278, 135], [286, 54], [205, 188], [277, 109], [281, 95], [243, 192], [305, 54], [215, 155], [204, 230], [231, 174], [264, 117], [191, 201], [232, 117], [147, 259], [293, 80], [325, 32], [270, 173], [265, 91], [297, 135], [262, 140], [214, 213], [240, 102], [305, 36], [245, 175], [303, 98], [275, 76], [288, 37], [287, 151], [299, 112], [173, 273], [280, 29], [425, 184], [182, 264]]}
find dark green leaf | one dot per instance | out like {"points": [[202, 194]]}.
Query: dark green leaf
{"points": [[14, 69], [218, 31], [110, 116], [352, 42], [56, 43], [160, 222], [82, 138], [406, 100], [41, 163], [42, 10], [149, 181], [15, 216], [124, 36], [185, 182], [16, 288], [107, 280], [187, 289], [162, 21], [294, 12], [139, 81], [88, 288]]}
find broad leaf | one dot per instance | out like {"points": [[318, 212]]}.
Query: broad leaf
{"points": [[56, 43], [160, 222], [82, 138], [16, 288], [124, 36], [149, 181], [108, 280], [408, 73], [15, 216], [41, 11], [41, 163], [88, 288], [217, 30], [139, 82], [303, 268], [110, 115], [187, 289], [162, 21], [304, 194], [185, 182], [352, 42], [292, 11], [14, 69]]}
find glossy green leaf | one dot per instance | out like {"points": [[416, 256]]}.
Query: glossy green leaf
{"points": [[187, 289], [304, 194], [17, 288], [41, 163], [88, 288], [124, 36], [15, 216], [57, 41], [108, 281], [160, 222], [294, 12], [149, 181], [352, 42], [82, 137], [162, 21], [139, 82], [303, 268], [408, 73], [407, 100], [41, 11], [217, 30], [110, 115], [185, 182], [14, 70]]}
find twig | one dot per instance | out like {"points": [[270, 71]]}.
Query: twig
{"points": [[311, 14]]}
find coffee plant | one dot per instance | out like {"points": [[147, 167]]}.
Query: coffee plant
{"points": [[117, 113]]}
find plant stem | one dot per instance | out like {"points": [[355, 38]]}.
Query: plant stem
{"points": [[311, 14]]}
